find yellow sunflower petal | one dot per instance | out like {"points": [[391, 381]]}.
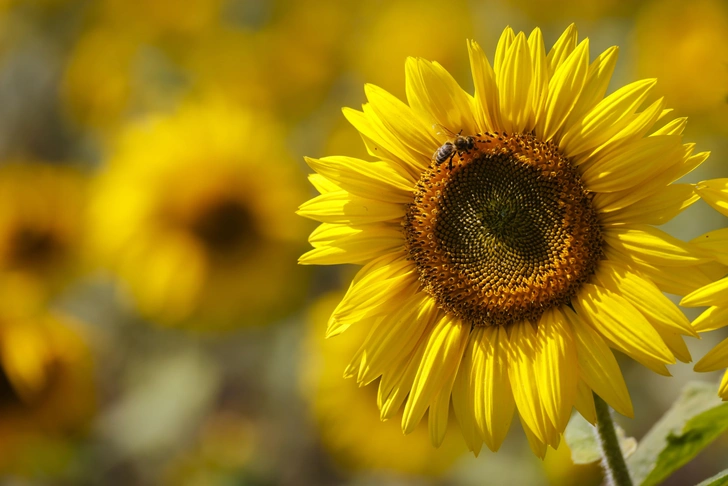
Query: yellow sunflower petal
{"points": [[623, 326], [598, 367], [596, 84], [680, 169], [715, 359], [632, 163], [715, 193], [538, 447], [676, 343], [675, 126], [715, 293], [437, 98], [463, 396], [556, 367], [336, 244], [563, 47], [376, 146], [639, 125], [504, 43], [437, 418], [395, 385], [713, 318], [396, 336], [322, 184], [541, 75], [376, 282], [606, 119], [714, 243], [373, 180], [514, 86], [723, 389], [657, 183], [673, 280], [644, 296], [487, 110], [584, 403], [652, 245], [403, 124], [524, 381], [492, 397], [563, 91], [439, 364], [654, 210], [345, 208]]}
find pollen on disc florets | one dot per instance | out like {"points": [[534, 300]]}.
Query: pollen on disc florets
{"points": [[506, 233]]}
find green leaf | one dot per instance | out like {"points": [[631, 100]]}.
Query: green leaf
{"points": [[581, 438], [720, 479], [695, 420]]}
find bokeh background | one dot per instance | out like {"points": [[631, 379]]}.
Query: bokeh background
{"points": [[154, 325]]}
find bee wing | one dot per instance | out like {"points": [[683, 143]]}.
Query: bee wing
{"points": [[441, 130]]}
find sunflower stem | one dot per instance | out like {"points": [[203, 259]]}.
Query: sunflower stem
{"points": [[613, 463]]}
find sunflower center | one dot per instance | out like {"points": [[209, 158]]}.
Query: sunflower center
{"points": [[8, 396], [503, 233], [224, 226], [34, 247]]}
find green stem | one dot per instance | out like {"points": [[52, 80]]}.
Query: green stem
{"points": [[612, 460]]}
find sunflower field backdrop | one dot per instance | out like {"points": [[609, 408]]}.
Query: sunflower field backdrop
{"points": [[156, 326]]}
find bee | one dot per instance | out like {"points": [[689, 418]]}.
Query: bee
{"points": [[456, 146]]}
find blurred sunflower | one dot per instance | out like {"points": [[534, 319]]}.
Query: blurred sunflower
{"points": [[47, 394], [715, 294], [239, 63], [186, 215], [98, 81], [346, 412], [385, 40], [161, 17], [501, 269], [41, 232]]}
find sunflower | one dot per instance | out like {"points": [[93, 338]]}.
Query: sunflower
{"points": [[501, 270], [41, 232], [47, 393], [345, 412], [186, 216], [715, 294]]}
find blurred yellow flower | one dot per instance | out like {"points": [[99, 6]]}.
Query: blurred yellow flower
{"points": [[386, 40], [195, 214], [98, 79], [228, 61], [151, 19], [347, 417], [685, 46], [41, 233], [47, 394], [127, 55], [715, 294], [508, 240], [288, 65]]}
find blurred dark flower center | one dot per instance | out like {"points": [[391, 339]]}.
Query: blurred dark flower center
{"points": [[225, 226], [33, 247], [8, 396]]}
